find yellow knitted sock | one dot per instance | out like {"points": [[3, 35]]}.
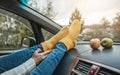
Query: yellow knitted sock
{"points": [[49, 44], [71, 38]]}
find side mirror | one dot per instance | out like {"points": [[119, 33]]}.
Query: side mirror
{"points": [[28, 42]]}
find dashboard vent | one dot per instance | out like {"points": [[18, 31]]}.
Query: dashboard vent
{"points": [[104, 71], [87, 67], [83, 67]]}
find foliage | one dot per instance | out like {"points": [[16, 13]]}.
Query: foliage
{"points": [[116, 27], [47, 10], [103, 29], [76, 15], [12, 31]]}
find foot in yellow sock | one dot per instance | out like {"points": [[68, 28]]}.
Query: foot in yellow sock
{"points": [[71, 38], [49, 44]]}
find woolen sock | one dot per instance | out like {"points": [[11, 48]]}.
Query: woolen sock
{"points": [[71, 38], [49, 44]]}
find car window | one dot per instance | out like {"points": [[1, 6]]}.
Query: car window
{"points": [[98, 19], [46, 34], [47, 12], [12, 29]]}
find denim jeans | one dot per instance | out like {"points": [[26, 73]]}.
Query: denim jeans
{"points": [[46, 67], [13, 60]]}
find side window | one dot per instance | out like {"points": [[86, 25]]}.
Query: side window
{"points": [[12, 29], [34, 4], [47, 35], [46, 11]]}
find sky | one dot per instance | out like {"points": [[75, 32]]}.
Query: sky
{"points": [[92, 10]]}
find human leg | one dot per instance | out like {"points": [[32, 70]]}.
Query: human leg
{"points": [[49, 44], [48, 65], [71, 38], [12, 60], [66, 46], [17, 58]]}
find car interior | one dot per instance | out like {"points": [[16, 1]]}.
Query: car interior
{"points": [[23, 26]]}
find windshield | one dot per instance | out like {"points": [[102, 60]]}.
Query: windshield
{"points": [[100, 18]]}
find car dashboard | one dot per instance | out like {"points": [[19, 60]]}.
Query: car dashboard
{"points": [[82, 60]]}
